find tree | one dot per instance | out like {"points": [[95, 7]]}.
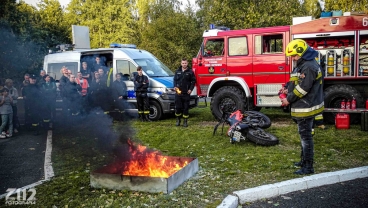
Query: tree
{"points": [[313, 8], [171, 34], [346, 5], [108, 20], [51, 23], [238, 14]]}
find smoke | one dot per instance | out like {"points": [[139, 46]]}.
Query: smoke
{"points": [[98, 125], [17, 56]]}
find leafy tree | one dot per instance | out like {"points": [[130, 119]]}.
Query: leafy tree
{"points": [[108, 20], [171, 34], [346, 5], [52, 27], [313, 8], [238, 14], [21, 47]]}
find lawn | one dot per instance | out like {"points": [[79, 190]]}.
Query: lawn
{"points": [[224, 167]]}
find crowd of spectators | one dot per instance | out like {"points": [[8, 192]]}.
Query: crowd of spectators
{"points": [[86, 92]]}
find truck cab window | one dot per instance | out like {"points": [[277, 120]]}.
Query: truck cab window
{"points": [[268, 44], [214, 47], [238, 46]]}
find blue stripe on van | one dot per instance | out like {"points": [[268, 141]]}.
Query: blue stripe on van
{"points": [[167, 81]]}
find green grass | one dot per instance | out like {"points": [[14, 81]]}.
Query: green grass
{"points": [[224, 167]]}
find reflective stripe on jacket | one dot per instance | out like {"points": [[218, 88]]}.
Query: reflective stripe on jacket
{"points": [[305, 91]]}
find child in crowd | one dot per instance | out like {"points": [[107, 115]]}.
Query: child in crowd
{"points": [[6, 112]]}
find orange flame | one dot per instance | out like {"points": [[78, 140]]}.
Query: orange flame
{"points": [[144, 162]]}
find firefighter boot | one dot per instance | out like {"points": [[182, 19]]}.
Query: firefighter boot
{"points": [[300, 163], [141, 117], [178, 120], [185, 124], [307, 168], [146, 117]]}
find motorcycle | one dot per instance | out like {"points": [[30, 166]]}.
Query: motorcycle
{"points": [[248, 125]]}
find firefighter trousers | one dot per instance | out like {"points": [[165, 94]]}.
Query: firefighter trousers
{"points": [[142, 102], [182, 105]]}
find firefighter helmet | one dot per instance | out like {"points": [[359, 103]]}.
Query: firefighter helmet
{"points": [[296, 47]]}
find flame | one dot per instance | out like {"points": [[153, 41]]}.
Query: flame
{"points": [[178, 91], [144, 162]]}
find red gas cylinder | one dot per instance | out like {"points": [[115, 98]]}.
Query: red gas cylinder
{"points": [[348, 104], [342, 121], [353, 103], [343, 104], [366, 104]]}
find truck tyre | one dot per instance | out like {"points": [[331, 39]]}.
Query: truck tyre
{"points": [[333, 97], [227, 99], [155, 110], [261, 137]]}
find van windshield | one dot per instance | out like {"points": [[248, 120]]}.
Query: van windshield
{"points": [[154, 68]]}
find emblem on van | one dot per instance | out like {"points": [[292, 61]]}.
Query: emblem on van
{"points": [[211, 70]]}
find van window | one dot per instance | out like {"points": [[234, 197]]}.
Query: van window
{"points": [[268, 44], [125, 67], [214, 47], [238, 46], [53, 69], [154, 68]]}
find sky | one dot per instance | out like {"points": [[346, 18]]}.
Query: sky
{"points": [[64, 3]]}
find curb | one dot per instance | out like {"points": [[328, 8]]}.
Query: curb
{"points": [[307, 182]]}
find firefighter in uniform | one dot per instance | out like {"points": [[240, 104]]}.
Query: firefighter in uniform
{"points": [[305, 95], [33, 95], [140, 88], [184, 81]]}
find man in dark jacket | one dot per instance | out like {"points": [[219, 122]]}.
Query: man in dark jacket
{"points": [[33, 96], [140, 88], [73, 95], [305, 95], [184, 81], [118, 94]]}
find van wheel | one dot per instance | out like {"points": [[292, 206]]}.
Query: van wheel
{"points": [[227, 99], [333, 97], [155, 111]]}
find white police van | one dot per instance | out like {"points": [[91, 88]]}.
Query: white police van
{"points": [[121, 58]]}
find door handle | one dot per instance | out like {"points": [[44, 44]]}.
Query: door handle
{"points": [[281, 68]]}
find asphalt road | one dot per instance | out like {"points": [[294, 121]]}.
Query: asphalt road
{"points": [[22, 159], [348, 194]]}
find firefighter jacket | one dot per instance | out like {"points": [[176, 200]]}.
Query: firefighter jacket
{"points": [[140, 83], [49, 89], [184, 80], [305, 89], [33, 96], [118, 89], [73, 90]]}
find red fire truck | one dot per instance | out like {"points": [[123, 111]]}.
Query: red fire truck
{"points": [[246, 68]]}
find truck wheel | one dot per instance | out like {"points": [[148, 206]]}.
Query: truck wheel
{"points": [[333, 97], [155, 111], [227, 99]]}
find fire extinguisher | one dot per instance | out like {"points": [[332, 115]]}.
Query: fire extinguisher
{"points": [[353, 103], [348, 104], [343, 104], [366, 104]]}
